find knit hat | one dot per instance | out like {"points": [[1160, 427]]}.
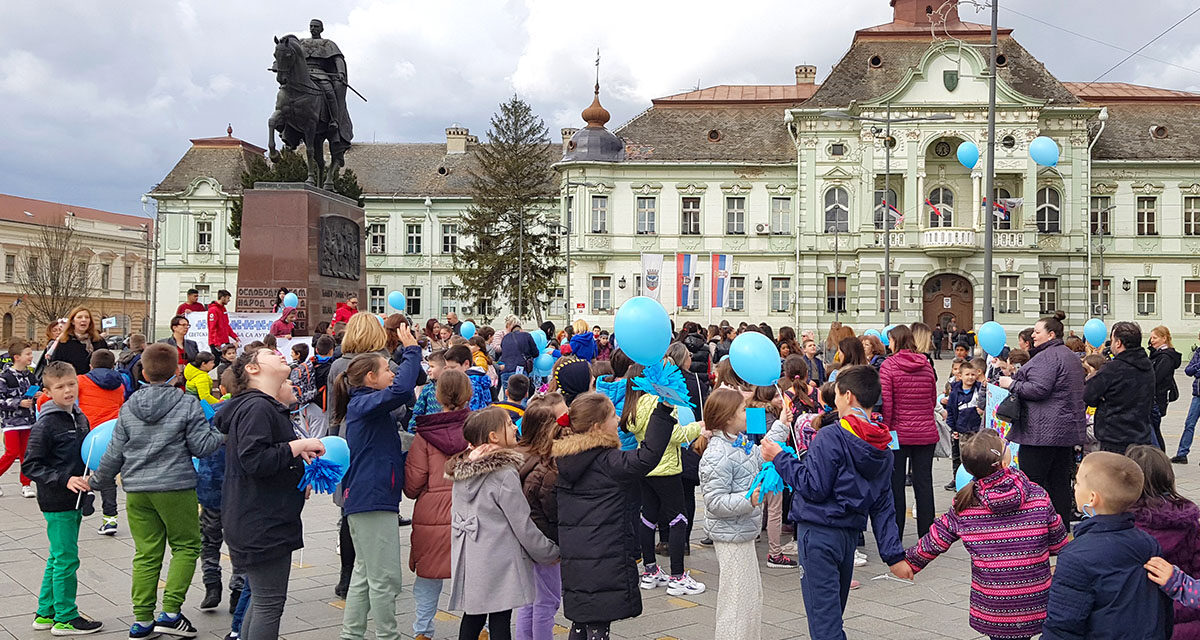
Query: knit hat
{"points": [[573, 378]]}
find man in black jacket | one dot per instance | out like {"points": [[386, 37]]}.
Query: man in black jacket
{"points": [[1122, 392]]}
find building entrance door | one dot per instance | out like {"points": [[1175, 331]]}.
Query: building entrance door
{"points": [[949, 298]]}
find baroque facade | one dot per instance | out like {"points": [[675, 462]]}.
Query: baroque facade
{"points": [[768, 175]]}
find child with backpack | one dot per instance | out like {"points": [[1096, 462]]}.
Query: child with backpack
{"points": [[17, 410], [101, 395], [310, 380]]}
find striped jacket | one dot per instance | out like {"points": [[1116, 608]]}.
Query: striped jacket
{"points": [[1010, 535]]}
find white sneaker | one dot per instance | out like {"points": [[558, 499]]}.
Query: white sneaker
{"points": [[789, 549], [860, 559], [1, 492], [28, 492], [684, 586], [654, 578]]}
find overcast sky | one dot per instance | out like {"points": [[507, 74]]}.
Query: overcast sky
{"points": [[98, 99]]}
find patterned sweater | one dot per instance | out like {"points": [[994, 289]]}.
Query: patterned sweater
{"points": [[1010, 536]]}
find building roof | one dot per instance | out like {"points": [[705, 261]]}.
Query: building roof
{"points": [[417, 169], [1108, 92], [1132, 127], [709, 133], [18, 209], [785, 94], [223, 159]]}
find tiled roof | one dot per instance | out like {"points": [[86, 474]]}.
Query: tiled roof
{"points": [[910, 28], [18, 209], [1127, 135], [411, 169], [1105, 92], [682, 133], [741, 94], [222, 159]]}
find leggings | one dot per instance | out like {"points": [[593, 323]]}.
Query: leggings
{"points": [[269, 579], [498, 623], [15, 443], [921, 457], [346, 544], [662, 499], [588, 631]]}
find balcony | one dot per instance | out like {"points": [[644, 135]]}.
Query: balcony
{"points": [[948, 241]]}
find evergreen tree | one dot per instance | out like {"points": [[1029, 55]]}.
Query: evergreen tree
{"points": [[509, 253]]}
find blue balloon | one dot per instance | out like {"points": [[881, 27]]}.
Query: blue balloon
{"points": [[539, 338], [467, 330], [644, 331], [382, 322], [961, 478], [991, 337], [397, 301], [755, 359], [1095, 332], [96, 443], [685, 415], [337, 451], [968, 154], [543, 363], [291, 300], [209, 411], [1044, 151], [883, 335], [196, 464], [873, 332]]}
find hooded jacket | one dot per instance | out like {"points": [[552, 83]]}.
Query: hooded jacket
{"points": [[1050, 386], [439, 436], [1175, 525], [698, 347], [52, 456], [13, 386], [281, 327], [1165, 360], [219, 331], [727, 471], [841, 481], [614, 388], [961, 415], [1193, 369], [481, 388], [538, 476], [1010, 574], [199, 384], [159, 431], [101, 394], [671, 464], [517, 349], [583, 345], [1123, 393], [909, 395]]}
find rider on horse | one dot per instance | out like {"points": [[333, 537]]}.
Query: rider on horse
{"points": [[327, 67]]}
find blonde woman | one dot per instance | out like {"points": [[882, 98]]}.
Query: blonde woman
{"points": [[583, 341], [1165, 360]]}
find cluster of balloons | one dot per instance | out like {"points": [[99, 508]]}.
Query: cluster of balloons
{"points": [[1043, 150], [291, 300], [882, 335]]}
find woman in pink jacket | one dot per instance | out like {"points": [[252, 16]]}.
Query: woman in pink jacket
{"points": [[909, 394]]}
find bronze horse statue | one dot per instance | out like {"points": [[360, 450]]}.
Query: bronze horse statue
{"points": [[302, 115]]}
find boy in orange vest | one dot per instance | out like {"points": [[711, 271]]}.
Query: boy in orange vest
{"points": [[101, 394]]}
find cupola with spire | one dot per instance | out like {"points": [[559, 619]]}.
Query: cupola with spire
{"points": [[594, 142]]}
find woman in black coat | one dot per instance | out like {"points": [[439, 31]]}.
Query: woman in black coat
{"points": [[1165, 360], [599, 578], [78, 340]]}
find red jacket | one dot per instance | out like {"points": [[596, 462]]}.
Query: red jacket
{"points": [[909, 388], [101, 395], [219, 331], [189, 307], [343, 313]]}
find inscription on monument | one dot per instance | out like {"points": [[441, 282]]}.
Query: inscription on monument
{"points": [[341, 244]]}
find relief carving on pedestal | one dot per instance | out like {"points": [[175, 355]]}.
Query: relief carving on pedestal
{"points": [[341, 248]]}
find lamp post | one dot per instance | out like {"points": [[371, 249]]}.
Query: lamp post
{"points": [[429, 217], [159, 216], [888, 143], [1099, 249], [569, 214]]}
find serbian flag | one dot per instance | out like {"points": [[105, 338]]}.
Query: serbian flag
{"points": [[937, 212], [897, 217], [685, 271], [1000, 210], [722, 266]]}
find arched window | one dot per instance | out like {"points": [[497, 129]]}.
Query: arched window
{"points": [[837, 210], [897, 217], [1048, 210], [8, 326], [941, 207], [1003, 215]]}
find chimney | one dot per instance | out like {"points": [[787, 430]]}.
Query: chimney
{"points": [[806, 74], [457, 139], [567, 132], [924, 12]]}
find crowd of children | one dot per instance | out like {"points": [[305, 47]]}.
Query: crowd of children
{"points": [[529, 502]]}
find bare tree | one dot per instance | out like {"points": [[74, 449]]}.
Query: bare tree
{"points": [[57, 276]]}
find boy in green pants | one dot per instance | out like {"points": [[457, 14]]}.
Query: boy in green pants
{"points": [[159, 431], [52, 460]]}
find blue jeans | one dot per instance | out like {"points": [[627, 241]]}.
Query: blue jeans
{"points": [[1189, 427], [425, 598], [504, 380], [827, 555], [239, 612]]}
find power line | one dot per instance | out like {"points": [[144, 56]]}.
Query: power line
{"points": [[1139, 49]]}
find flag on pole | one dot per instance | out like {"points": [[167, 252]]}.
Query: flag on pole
{"points": [[1004, 206], [722, 266], [652, 264], [897, 217], [686, 265], [937, 212]]}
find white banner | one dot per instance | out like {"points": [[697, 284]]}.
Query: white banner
{"points": [[652, 280], [248, 327]]}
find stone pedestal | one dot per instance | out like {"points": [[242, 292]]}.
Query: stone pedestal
{"points": [[306, 239]]}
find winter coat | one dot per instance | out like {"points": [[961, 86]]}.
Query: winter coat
{"points": [[210, 479], [101, 394], [52, 456], [262, 504], [339, 366], [343, 313], [727, 471], [375, 479], [816, 369], [517, 349], [1100, 590], [538, 477], [199, 384], [1123, 393], [1193, 369], [77, 353], [426, 404], [1010, 574], [909, 394], [600, 580], [697, 346], [160, 430], [493, 542], [1175, 525], [583, 345], [1165, 361], [671, 465], [13, 385], [439, 436], [281, 327], [190, 348], [961, 415], [604, 351], [481, 388], [1050, 387], [219, 331], [614, 388]]}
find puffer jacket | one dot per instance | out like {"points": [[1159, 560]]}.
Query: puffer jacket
{"points": [[670, 465], [909, 394], [1175, 524], [1123, 394], [700, 356], [1193, 369], [727, 471], [52, 457], [1050, 386], [538, 477], [101, 394], [1165, 361], [199, 384], [439, 436]]}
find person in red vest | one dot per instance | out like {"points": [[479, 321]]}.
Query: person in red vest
{"points": [[101, 394], [193, 303], [219, 331], [344, 311]]}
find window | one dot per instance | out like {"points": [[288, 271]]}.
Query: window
{"points": [[893, 293], [1010, 292], [204, 236], [10, 267], [837, 210], [599, 214], [203, 290], [448, 302], [105, 276], [1047, 295], [691, 217], [1191, 216], [32, 264], [412, 240], [1049, 207], [835, 294], [555, 231], [645, 215], [558, 303], [735, 215], [1003, 215], [1146, 216], [127, 280], [375, 300], [450, 238], [781, 216], [1147, 297], [1101, 293], [377, 237], [781, 294], [897, 218], [601, 293], [1191, 298], [837, 149], [412, 300], [941, 207], [737, 294], [1101, 207], [485, 307]]}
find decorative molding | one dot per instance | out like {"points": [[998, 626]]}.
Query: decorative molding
{"points": [[1009, 263], [1049, 241], [1103, 188], [599, 242], [1191, 189], [1148, 244], [646, 244], [781, 188], [1046, 268], [1193, 247], [736, 244], [203, 258], [601, 187], [646, 188], [691, 188], [781, 266], [1147, 188], [689, 244], [781, 243], [1148, 268], [736, 188]]}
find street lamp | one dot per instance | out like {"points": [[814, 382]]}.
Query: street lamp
{"points": [[888, 143], [570, 214], [758, 284], [1099, 249], [621, 283]]}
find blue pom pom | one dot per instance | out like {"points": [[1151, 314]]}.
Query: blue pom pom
{"points": [[322, 475], [665, 381]]}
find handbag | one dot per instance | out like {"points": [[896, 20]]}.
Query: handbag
{"points": [[943, 448], [1012, 411]]}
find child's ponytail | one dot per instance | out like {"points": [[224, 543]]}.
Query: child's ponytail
{"points": [[341, 399], [355, 375]]}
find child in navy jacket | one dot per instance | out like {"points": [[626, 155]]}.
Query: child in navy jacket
{"points": [[963, 415], [844, 477]]}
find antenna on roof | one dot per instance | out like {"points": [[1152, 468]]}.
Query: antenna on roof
{"points": [[597, 70], [697, 84]]}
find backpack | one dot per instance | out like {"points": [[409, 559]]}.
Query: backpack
{"points": [[304, 379]]}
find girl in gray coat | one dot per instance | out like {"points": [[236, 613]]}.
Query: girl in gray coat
{"points": [[492, 537], [727, 471]]}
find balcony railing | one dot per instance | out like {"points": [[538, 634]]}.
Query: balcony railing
{"points": [[948, 241]]}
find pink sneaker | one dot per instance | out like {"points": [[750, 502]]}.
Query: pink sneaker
{"points": [[854, 584]]}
